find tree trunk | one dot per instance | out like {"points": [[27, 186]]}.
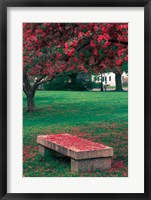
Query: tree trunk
{"points": [[101, 83], [30, 103], [118, 82]]}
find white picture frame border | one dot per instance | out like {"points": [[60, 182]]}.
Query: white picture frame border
{"points": [[19, 184]]}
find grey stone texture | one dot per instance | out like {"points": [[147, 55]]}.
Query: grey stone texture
{"points": [[90, 164], [83, 160]]}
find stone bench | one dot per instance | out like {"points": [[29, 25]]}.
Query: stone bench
{"points": [[85, 155]]}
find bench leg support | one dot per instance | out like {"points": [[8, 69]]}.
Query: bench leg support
{"points": [[45, 152], [42, 150], [90, 164]]}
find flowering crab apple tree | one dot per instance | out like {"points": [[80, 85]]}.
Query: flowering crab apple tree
{"points": [[58, 49]]}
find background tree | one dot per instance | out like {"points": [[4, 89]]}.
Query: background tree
{"points": [[57, 49]]}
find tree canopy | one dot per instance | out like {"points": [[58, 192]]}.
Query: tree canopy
{"points": [[51, 49]]}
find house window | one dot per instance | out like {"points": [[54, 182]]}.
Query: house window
{"points": [[102, 79], [109, 78], [105, 79]]}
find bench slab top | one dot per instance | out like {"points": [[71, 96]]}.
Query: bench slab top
{"points": [[74, 146]]}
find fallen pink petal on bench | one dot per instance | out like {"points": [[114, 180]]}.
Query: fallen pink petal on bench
{"points": [[85, 155]]}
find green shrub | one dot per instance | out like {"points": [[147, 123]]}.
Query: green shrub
{"points": [[96, 85], [61, 83], [80, 85], [125, 84]]}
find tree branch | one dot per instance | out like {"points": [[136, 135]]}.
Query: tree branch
{"points": [[45, 81], [115, 41], [50, 79], [38, 81]]}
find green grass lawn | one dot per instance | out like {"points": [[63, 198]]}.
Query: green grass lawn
{"points": [[97, 116]]}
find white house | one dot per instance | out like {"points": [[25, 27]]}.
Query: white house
{"points": [[109, 78]]}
